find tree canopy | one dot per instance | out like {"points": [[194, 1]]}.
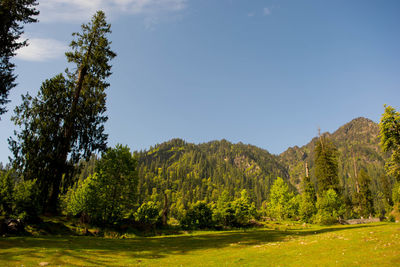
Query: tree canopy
{"points": [[13, 14], [65, 121]]}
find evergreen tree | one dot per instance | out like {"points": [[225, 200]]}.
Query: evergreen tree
{"points": [[13, 13], [365, 199], [390, 140], [308, 200], [326, 165], [66, 120]]}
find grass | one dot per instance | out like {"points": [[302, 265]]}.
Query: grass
{"points": [[280, 245]]}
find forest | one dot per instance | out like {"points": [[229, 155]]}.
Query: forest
{"points": [[61, 164]]}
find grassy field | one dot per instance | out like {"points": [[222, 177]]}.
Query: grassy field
{"points": [[283, 245]]}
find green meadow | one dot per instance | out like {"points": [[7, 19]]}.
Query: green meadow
{"points": [[277, 245]]}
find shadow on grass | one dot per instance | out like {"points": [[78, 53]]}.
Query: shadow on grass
{"points": [[99, 251]]}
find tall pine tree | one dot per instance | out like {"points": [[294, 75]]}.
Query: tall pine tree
{"points": [[326, 165], [66, 120], [13, 13]]}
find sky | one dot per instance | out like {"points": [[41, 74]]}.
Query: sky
{"points": [[267, 73]]}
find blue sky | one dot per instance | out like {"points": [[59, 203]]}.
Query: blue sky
{"points": [[268, 73]]}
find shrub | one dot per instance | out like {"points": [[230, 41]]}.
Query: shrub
{"points": [[148, 213], [329, 207], [198, 216]]}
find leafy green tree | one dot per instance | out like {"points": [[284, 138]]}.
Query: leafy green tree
{"points": [[223, 212], [85, 199], [13, 14], [244, 209], [148, 213], [198, 216], [66, 120], [118, 177], [390, 140], [109, 195], [329, 206], [364, 197], [326, 165], [278, 205], [6, 192], [308, 199]]}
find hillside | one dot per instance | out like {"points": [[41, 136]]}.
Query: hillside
{"points": [[358, 145], [190, 172], [201, 172]]}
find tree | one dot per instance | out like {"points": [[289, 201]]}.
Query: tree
{"points": [[108, 195], [198, 216], [6, 192], [329, 207], [148, 213], [13, 13], [65, 122], [308, 200], [278, 205], [390, 140], [326, 165], [118, 179], [364, 196]]}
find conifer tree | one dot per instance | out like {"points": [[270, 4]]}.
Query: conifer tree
{"points": [[365, 199], [308, 200], [13, 13], [66, 120], [326, 165]]}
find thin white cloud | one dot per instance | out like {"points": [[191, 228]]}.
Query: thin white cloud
{"points": [[266, 11], [41, 49], [82, 10]]}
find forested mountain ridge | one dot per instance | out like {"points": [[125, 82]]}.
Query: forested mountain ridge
{"points": [[202, 172], [358, 147]]}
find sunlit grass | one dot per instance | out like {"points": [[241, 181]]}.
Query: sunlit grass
{"points": [[284, 245]]}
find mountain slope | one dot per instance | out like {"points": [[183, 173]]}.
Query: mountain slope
{"points": [[202, 172], [358, 145]]}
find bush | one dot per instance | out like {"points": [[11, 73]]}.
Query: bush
{"points": [[148, 213], [243, 209], [198, 216], [25, 200], [329, 208], [85, 200]]}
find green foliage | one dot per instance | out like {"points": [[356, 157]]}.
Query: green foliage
{"points": [[396, 193], [18, 198], [308, 199], [66, 120], [148, 213], [279, 206], [326, 165], [390, 140], [358, 146], [364, 197], [6, 192], [25, 200], [86, 199], [223, 212], [108, 195], [243, 209], [329, 206], [13, 13], [198, 216], [202, 172], [118, 177]]}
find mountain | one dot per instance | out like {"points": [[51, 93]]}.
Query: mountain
{"points": [[358, 146], [202, 172], [190, 172]]}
